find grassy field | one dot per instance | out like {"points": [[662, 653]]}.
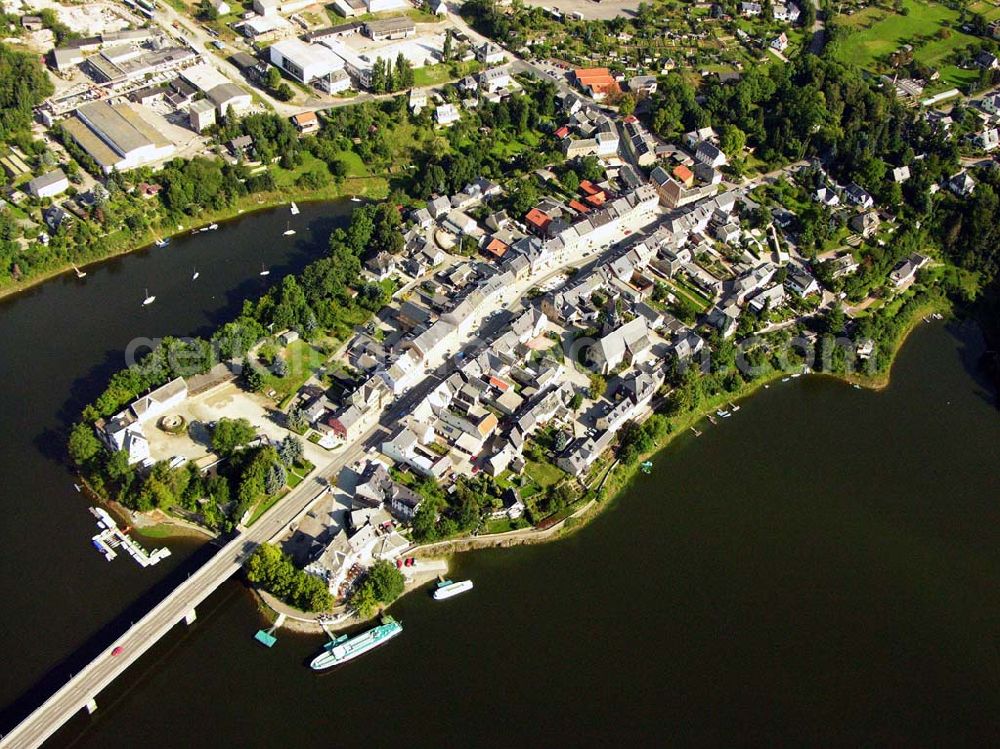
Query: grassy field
{"points": [[302, 361], [433, 75], [359, 180], [689, 294], [877, 32], [543, 474]]}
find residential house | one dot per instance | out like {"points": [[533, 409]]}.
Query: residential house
{"points": [[785, 12], [858, 196], [906, 270], [708, 153], [801, 283], [446, 114], [489, 53], [381, 266], [987, 60], [962, 184], [306, 122], [621, 346], [865, 224], [827, 196], [598, 82]]}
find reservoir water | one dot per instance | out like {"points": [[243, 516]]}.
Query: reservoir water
{"points": [[822, 567]]}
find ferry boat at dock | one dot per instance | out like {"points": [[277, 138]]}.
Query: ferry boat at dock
{"points": [[343, 649], [447, 589]]}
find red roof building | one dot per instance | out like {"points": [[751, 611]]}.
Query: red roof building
{"points": [[579, 207], [496, 248], [598, 81], [562, 132], [499, 384], [684, 175], [539, 220]]}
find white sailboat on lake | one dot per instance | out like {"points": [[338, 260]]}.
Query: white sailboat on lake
{"points": [[194, 276], [289, 231], [149, 299]]}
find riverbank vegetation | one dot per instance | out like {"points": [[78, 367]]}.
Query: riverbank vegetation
{"points": [[273, 570], [382, 585]]}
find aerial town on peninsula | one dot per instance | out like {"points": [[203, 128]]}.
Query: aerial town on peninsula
{"points": [[571, 234]]}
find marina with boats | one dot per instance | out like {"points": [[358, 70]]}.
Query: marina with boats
{"points": [[111, 540]]}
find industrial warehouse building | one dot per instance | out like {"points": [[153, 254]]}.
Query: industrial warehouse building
{"points": [[130, 63], [116, 137], [225, 95], [310, 63], [390, 28]]}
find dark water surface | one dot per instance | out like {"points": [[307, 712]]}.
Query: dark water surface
{"points": [[822, 568], [59, 342]]}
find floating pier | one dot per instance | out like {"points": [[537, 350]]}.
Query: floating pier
{"points": [[266, 636], [111, 539]]}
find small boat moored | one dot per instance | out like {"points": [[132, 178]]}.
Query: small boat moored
{"points": [[447, 589], [148, 299], [294, 209]]}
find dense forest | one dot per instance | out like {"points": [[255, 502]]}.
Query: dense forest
{"points": [[23, 86]]}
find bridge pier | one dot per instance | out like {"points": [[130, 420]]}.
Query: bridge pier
{"points": [[91, 706], [190, 617]]}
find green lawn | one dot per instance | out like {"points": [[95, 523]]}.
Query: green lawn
{"points": [[688, 294], [299, 472], [500, 525], [543, 474], [264, 505], [434, 75], [302, 360], [359, 179], [879, 32]]}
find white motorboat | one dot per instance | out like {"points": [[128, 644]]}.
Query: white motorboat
{"points": [[447, 589]]}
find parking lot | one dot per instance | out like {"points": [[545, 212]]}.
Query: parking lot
{"points": [[590, 9], [224, 401]]}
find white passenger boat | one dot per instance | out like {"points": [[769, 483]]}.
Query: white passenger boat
{"points": [[294, 209], [343, 649], [447, 589]]}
